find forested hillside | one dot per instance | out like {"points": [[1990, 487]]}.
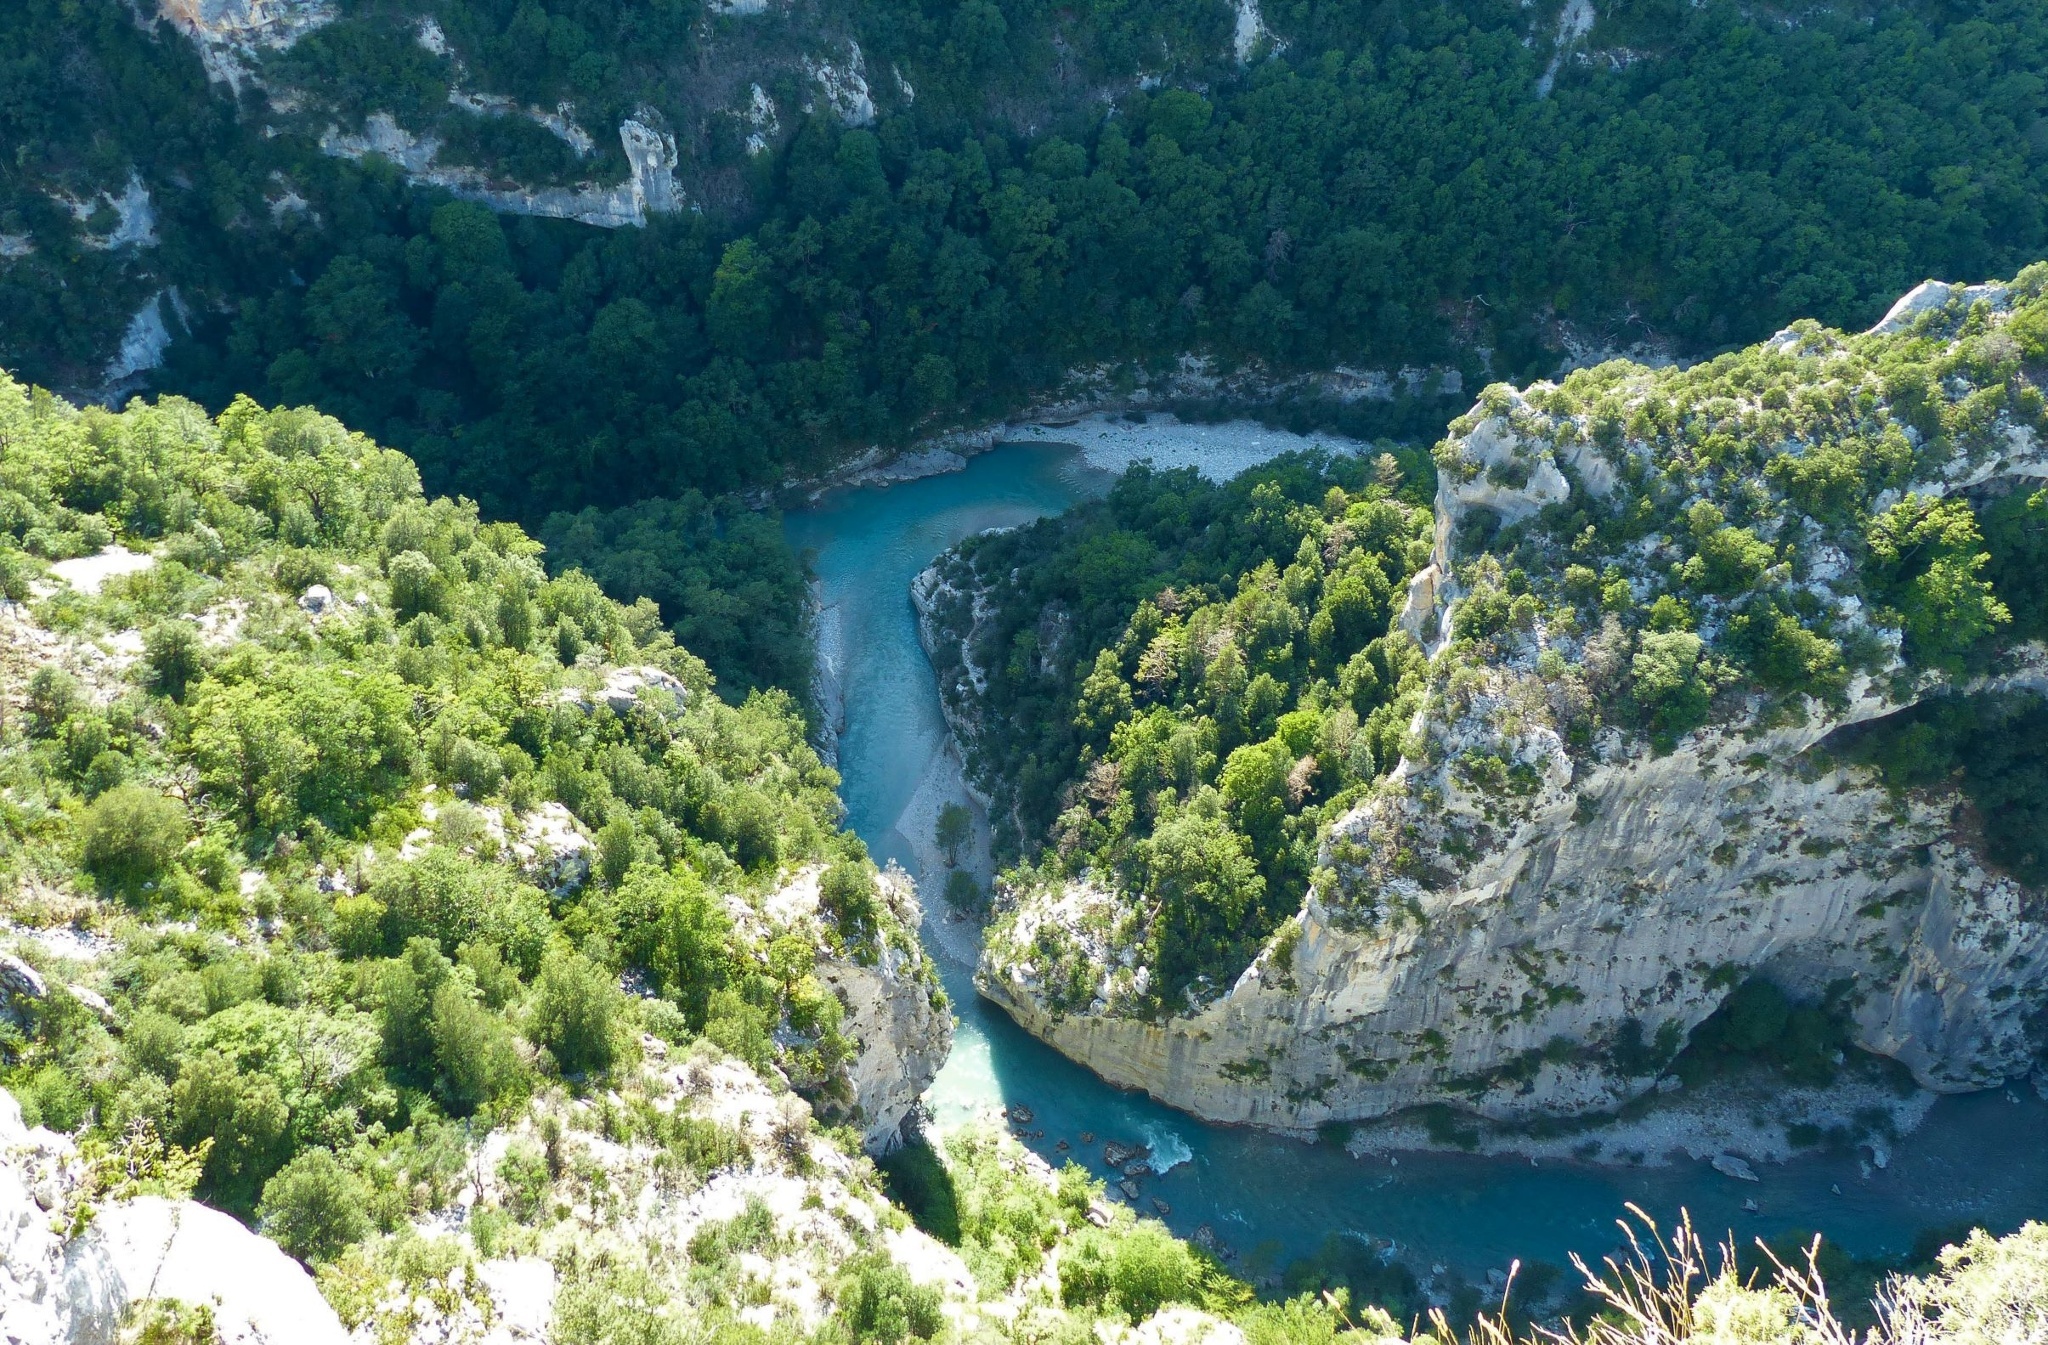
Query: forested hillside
{"points": [[322, 757], [1379, 184], [1180, 685]]}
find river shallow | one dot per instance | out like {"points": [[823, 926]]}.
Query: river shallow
{"points": [[1977, 1159]]}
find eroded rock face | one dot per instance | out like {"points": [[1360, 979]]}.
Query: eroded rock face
{"points": [[650, 189], [58, 1289], [1540, 935], [227, 32], [902, 1029]]}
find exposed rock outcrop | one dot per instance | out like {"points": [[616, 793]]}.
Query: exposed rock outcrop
{"points": [[63, 1288], [229, 33], [895, 1015], [650, 189], [1530, 915]]}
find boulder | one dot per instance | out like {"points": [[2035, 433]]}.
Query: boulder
{"points": [[624, 687], [18, 980], [179, 1249]]}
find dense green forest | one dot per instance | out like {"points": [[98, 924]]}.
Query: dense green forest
{"points": [[340, 820], [1184, 681], [1388, 189]]}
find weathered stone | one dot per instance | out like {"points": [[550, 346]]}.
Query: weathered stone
{"points": [[1618, 898]]}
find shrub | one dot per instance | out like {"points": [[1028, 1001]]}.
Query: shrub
{"points": [[476, 1061], [523, 1172], [416, 586], [175, 655], [879, 1302], [52, 1097], [1134, 1270], [130, 835], [1926, 563], [1670, 686], [54, 695], [314, 1207], [847, 893], [962, 892], [577, 1013]]}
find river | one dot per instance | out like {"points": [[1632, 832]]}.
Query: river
{"points": [[1977, 1158]]}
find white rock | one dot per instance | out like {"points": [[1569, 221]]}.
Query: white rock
{"points": [[317, 600], [624, 688], [18, 980], [88, 573], [156, 1248], [1729, 1165]]}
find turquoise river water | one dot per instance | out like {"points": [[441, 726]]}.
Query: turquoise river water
{"points": [[1978, 1158]]}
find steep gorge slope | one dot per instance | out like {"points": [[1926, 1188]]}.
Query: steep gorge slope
{"points": [[1658, 604]]}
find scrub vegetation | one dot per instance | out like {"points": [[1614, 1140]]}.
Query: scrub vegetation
{"points": [[375, 826]]}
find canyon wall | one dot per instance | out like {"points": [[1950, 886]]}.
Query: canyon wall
{"points": [[1537, 937]]}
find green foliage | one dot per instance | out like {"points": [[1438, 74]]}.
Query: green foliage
{"points": [[879, 1302], [1758, 1021], [326, 999], [919, 1179], [577, 1014], [314, 1207], [2016, 541], [1926, 561], [1989, 745], [1349, 1266], [1671, 685], [1184, 681], [962, 893], [130, 835], [1133, 1271], [723, 576], [954, 828]]}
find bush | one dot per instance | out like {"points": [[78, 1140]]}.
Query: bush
{"points": [[1134, 1271], [175, 655], [578, 1014], [314, 1207], [1670, 686], [416, 586], [51, 1097], [847, 893], [130, 835], [523, 1172], [54, 695], [1759, 1021], [1926, 563], [473, 1050], [962, 892], [879, 1302]]}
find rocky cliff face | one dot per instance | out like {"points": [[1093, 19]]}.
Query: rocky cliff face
{"points": [[895, 1014], [72, 1276], [1534, 909], [650, 189]]}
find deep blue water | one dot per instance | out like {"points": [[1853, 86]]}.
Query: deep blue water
{"points": [[1979, 1158]]}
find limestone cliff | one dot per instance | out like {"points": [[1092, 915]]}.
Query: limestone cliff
{"points": [[71, 1274], [1547, 894], [649, 189], [896, 1017]]}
